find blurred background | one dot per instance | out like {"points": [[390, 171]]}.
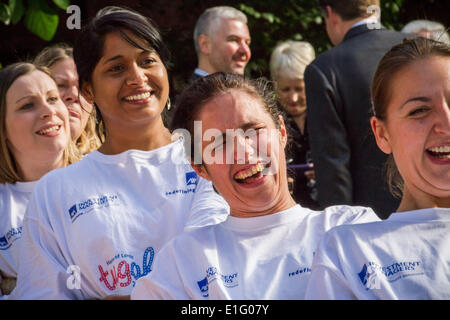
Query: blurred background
{"points": [[26, 26]]}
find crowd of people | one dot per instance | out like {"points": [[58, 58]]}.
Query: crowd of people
{"points": [[328, 181]]}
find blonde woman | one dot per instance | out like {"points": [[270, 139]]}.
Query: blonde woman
{"points": [[34, 139], [59, 59], [287, 66]]}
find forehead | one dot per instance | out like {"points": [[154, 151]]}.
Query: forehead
{"points": [[290, 82], [424, 76], [228, 27], [31, 83], [233, 110], [63, 67], [116, 45]]}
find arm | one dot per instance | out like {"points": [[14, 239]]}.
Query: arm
{"points": [[328, 140], [327, 282], [42, 272], [208, 207], [164, 282]]}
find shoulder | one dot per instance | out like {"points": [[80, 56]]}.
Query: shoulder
{"points": [[343, 214]]}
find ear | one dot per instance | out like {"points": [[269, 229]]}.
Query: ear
{"points": [[201, 171], [87, 92], [204, 44], [381, 135], [333, 17], [283, 132]]}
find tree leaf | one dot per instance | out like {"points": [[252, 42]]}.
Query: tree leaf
{"points": [[62, 4], [5, 14], [17, 10], [41, 20]]}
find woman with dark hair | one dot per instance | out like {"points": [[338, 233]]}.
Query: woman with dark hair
{"points": [[407, 255], [34, 139], [58, 59], [265, 247], [106, 218]]}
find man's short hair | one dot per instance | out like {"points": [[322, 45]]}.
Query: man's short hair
{"points": [[350, 9], [209, 19]]}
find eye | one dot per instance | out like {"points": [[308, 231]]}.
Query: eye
{"points": [[116, 68], [418, 111], [26, 106], [53, 99], [148, 62]]}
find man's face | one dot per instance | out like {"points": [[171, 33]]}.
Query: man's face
{"points": [[230, 51]]}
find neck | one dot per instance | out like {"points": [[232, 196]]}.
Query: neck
{"points": [[34, 169], [205, 65], [345, 27], [416, 200], [140, 137]]}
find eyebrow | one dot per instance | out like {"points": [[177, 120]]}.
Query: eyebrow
{"points": [[23, 98], [421, 99], [112, 59], [120, 56]]}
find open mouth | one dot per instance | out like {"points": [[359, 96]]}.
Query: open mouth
{"points": [[251, 174], [139, 97], [439, 152], [48, 130]]}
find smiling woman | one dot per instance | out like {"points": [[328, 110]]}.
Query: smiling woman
{"points": [[34, 139], [112, 212], [405, 256], [265, 247]]}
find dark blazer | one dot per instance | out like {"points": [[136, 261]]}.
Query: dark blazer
{"points": [[348, 163], [194, 77]]}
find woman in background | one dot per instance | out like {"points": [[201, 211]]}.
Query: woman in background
{"points": [[59, 59], [407, 255], [34, 139], [287, 66]]}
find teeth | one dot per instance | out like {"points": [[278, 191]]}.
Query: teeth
{"points": [[250, 172], [45, 131], [138, 96], [445, 149]]}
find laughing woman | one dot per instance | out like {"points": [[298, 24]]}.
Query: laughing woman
{"points": [[94, 229], [34, 134], [265, 248], [407, 255]]}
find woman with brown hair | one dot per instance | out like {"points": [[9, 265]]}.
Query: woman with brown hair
{"points": [[34, 139], [59, 60], [405, 256]]}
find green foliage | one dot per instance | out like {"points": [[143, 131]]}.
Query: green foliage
{"points": [[40, 17]]}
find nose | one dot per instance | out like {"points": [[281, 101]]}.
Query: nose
{"points": [[47, 110], [136, 76], [293, 97], [244, 49], [442, 124], [70, 95], [244, 150]]}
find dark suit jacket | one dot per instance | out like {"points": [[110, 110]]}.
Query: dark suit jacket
{"points": [[348, 163], [194, 77]]}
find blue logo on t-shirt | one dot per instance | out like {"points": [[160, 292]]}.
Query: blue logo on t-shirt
{"points": [[73, 211], [3, 242], [203, 285], [191, 178]]}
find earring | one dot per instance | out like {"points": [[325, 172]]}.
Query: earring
{"points": [[169, 105]]}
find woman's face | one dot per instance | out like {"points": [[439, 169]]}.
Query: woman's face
{"points": [[248, 168], [65, 73], [417, 126], [291, 95], [129, 85], [36, 120]]}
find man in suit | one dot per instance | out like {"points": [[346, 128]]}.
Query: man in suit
{"points": [[222, 41], [348, 164]]}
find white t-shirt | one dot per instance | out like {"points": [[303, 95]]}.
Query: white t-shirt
{"points": [[93, 228], [406, 257], [267, 257], [13, 203]]}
